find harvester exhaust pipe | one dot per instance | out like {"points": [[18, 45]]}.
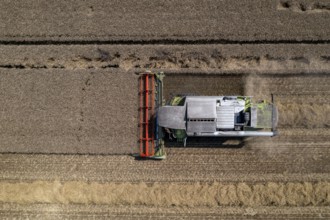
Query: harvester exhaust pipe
{"points": [[238, 134]]}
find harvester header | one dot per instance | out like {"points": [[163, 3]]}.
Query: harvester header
{"points": [[151, 99]]}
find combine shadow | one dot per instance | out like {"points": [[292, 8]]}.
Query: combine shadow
{"points": [[207, 142], [145, 158], [201, 142]]}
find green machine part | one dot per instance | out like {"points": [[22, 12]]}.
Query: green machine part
{"points": [[179, 134], [265, 115], [263, 110], [160, 148]]}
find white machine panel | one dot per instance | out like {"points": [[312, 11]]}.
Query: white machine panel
{"points": [[225, 117]]}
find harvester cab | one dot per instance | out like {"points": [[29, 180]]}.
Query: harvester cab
{"points": [[197, 116]]}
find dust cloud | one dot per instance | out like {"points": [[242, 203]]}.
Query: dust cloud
{"points": [[256, 87], [292, 114]]}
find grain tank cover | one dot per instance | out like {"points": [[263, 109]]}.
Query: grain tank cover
{"points": [[201, 109]]}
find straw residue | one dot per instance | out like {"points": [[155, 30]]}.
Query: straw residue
{"points": [[306, 115], [168, 194]]}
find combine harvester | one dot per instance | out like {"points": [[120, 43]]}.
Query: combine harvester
{"points": [[197, 116]]}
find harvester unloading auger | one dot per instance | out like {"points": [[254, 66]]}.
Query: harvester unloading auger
{"points": [[197, 116]]}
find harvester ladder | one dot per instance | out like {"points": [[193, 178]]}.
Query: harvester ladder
{"points": [[146, 114]]}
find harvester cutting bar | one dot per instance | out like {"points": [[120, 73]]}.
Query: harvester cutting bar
{"points": [[147, 114]]}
